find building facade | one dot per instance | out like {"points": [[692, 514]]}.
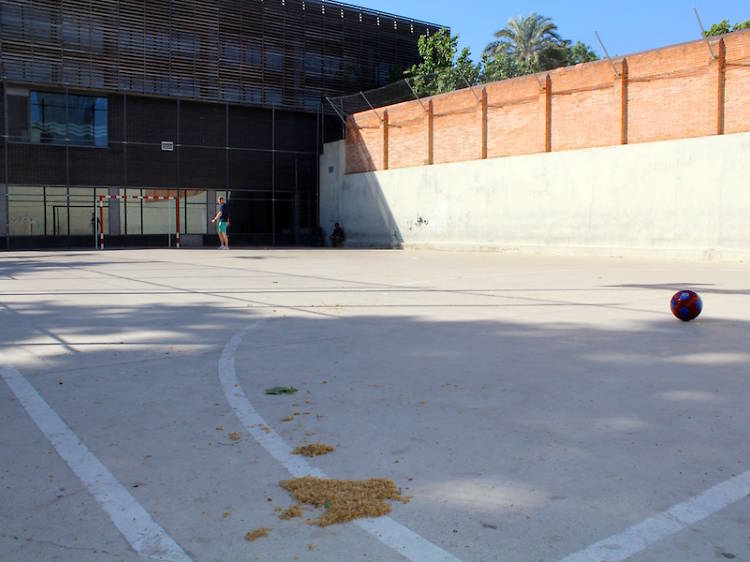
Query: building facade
{"points": [[186, 98]]}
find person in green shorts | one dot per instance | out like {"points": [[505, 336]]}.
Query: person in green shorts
{"points": [[223, 217]]}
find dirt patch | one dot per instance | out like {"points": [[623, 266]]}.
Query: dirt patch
{"points": [[235, 436], [291, 512], [314, 449], [287, 418], [256, 534], [344, 500]]}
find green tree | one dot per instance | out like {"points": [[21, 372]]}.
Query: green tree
{"points": [[499, 67], [533, 43], [580, 52], [466, 72], [441, 70], [719, 28], [724, 27], [527, 45]]}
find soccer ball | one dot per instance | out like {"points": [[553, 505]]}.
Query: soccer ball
{"points": [[686, 305]]}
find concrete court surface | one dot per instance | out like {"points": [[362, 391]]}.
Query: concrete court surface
{"points": [[531, 406]]}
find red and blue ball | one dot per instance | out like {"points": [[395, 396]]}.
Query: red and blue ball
{"points": [[686, 305]]}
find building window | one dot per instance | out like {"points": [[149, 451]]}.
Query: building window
{"points": [[84, 120], [18, 116]]}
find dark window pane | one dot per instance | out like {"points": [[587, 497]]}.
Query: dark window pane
{"points": [[13, 21], [47, 117], [86, 119], [18, 118], [81, 120], [101, 122]]}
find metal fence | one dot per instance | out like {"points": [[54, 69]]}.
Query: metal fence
{"points": [[404, 89]]}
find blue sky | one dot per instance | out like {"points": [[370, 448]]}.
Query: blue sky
{"points": [[625, 27]]}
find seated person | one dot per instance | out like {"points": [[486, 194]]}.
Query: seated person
{"points": [[337, 236]]}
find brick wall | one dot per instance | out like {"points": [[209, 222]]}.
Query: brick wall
{"points": [[515, 117], [737, 83], [364, 143], [457, 116], [585, 107], [672, 93], [407, 135], [680, 91]]}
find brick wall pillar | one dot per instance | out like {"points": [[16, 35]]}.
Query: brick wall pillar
{"points": [[721, 87], [621, 100], [548, 114], [430, 131], [484, 123]]}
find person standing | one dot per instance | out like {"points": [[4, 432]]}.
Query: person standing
{"points": [[223, 217]]}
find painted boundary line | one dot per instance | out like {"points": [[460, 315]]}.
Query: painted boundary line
{"points": [[391, 533], [678, 517], [143, 533]]}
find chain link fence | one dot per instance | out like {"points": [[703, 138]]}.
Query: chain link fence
{"points": [[406, 89]]}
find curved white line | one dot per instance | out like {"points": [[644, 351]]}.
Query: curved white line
{"points": [[391, 533], [138, 527]]}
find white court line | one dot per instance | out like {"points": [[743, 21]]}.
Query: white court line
{"points": [[391, 533], [145, 536], [678, 517]]}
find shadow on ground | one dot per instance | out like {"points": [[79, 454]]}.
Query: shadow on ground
{"points": [[503, 422]]}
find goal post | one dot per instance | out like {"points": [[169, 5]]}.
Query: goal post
{"points": [[102, 198]]}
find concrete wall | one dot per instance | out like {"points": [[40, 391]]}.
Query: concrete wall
{"points": [[681, 198], [332, 163]]}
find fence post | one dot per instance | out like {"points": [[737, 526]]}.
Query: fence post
{"points": [[430, 128], [385, 139], [548, 114], [721, 94], [484, 123]]}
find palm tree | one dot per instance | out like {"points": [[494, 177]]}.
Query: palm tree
{"points": [[532, 42]]}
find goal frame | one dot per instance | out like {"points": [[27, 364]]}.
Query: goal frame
{"points": [[99, 238]]}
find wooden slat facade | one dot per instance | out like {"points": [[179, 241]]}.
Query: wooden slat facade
{"points": [[286, 53]]}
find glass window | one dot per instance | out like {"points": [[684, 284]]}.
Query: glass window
{"points": [[159, 216], [55, 209], [25, 211], [253, 54], [47, 117], [273, 95], [13, 23], [194, 209], [85, 116], [83, 211], [332, 65], [274, 60], [18, 117], [313, 63]]}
